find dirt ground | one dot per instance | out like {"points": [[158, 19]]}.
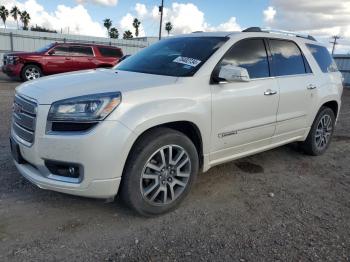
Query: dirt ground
{"points": [[279, 205]]}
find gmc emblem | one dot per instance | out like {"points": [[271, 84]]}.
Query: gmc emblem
{"points": [[17, 108]]}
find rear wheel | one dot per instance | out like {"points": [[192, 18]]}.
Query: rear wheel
{"points": [[321, 133], [31, 72], [159, 172]]}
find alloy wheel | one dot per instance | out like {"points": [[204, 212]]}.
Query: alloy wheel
{"points": [[165, 175], [32, 73], [323, 132]]}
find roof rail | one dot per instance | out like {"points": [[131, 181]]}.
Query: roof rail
{"points": [[274, 31]]}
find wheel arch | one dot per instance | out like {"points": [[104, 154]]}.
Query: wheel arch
{"points": [[332, 104], [188, 128]]}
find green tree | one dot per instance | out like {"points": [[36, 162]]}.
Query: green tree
{"points": [[113, 33], [15, 12], [4, 13], [136, 24], [168, 27], [108, 24], [127, 35], [25, 18]]}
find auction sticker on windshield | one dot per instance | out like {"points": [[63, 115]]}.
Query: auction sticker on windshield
{"points": [[187, 61]]}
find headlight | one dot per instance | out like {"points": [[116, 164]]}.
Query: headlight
{"points": [[12, 59], [90, 108]]}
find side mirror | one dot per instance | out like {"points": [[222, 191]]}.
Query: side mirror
{"points": [[51, 52], [231, 73]]}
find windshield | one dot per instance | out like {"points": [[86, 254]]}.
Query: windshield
{"points": [[174, 56], [45, 48]]}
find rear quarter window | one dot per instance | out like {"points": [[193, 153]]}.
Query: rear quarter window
{"points": [[323, 58], [110, 52]]}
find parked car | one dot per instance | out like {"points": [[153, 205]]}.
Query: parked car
{"points": [[59, 58], [180, 106]]}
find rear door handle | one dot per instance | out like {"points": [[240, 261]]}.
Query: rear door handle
{"points": [[68, 58], [270, 92], [311, 87]]}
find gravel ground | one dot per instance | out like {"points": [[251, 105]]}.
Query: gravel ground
{"points": [[279, 205]]}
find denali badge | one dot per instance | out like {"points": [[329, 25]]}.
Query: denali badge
{"points": [[222, 135]]}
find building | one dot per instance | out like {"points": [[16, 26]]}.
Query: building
{"points": [[343, 63]]}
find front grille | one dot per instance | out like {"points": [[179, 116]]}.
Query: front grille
{"points": [[24, 118]]}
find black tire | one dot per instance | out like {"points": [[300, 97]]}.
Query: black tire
{"points": [[143, 151], [309, 146], [31, 72]]}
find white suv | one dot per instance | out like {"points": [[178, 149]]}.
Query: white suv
{"points": [[185, 104]]}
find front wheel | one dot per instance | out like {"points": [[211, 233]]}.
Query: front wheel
{"points": [[321, 133], [31, 72], [159, 172]]}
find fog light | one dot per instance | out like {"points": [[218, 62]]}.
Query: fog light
{"points": [[63, 169]]}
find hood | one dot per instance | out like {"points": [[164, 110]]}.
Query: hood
{"points": [[47, 90], [21, 53]]}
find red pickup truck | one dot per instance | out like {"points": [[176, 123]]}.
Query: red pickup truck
{"points": [[59, 58]]}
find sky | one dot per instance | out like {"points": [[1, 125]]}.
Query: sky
{"points": [[320, 18]]}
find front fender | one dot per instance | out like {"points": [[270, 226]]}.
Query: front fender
{"points": [[142, 117]]}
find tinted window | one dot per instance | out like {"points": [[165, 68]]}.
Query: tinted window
{"points": [[287, 58], [323, 58], [110, 52], [81, 51], [61, 51], [45, 48], [250, 54], [181, 56]]}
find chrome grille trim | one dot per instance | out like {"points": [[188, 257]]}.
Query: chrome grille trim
{"points": [[24, 119]]}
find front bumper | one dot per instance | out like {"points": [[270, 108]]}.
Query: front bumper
{"points": [[101, 153], [12, 70]]}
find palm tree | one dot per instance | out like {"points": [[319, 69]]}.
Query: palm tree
{"points": [[4, 13], [168, 27], [15, 14], [127, 35], [25, 18], [108, 24], [113, 33], [136, 25]]}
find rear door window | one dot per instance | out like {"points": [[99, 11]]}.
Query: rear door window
{"points": [[81, 51], [250, 54], [110, 52], [287, 58], [323, 58]]}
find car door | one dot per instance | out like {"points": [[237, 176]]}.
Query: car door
{"points": [[297, 86], [244, 113], [83, 57], [58, 60]]}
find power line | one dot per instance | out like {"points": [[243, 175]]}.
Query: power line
{"points": [[334, 42]]}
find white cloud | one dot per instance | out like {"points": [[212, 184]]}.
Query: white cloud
{"points": [[269, 14], [76, 19], [230, 25], [187, 18], [99, 2], [141, 10], [321, 18]]}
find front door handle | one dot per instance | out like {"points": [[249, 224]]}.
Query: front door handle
{"points": [[311, 87], [270, 92]]}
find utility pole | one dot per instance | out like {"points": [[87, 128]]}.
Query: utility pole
{"points": [[335, 37], [161, 19]]}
